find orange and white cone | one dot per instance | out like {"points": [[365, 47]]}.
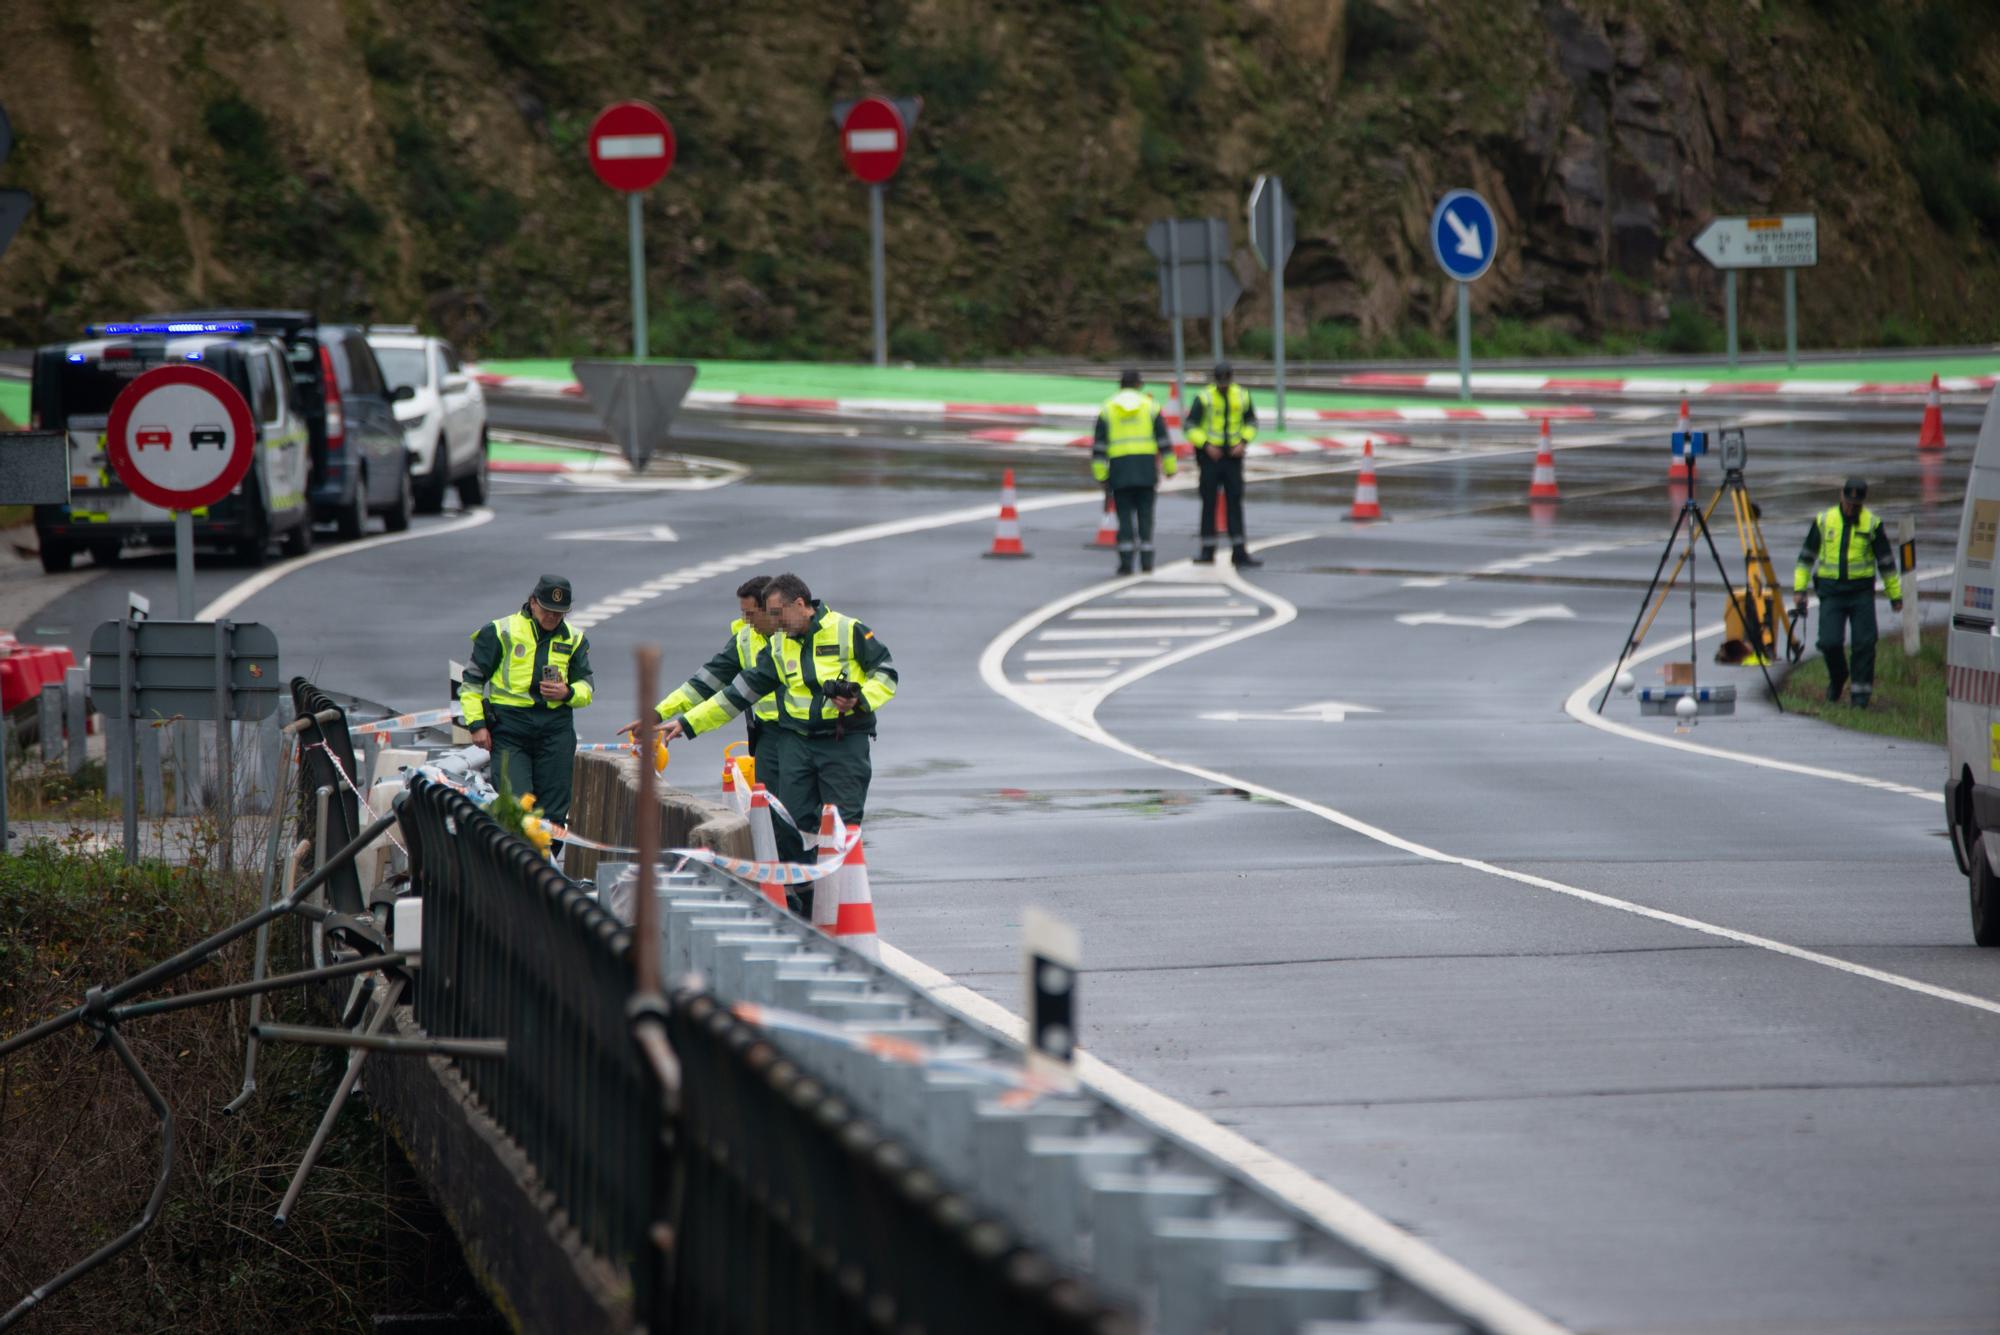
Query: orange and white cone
{"points": [[1677, 471], [826, 890], [764, 839], [854, 920], [1367, 505], [1007, 534], [1542, 486], [1221, 512], [1107, 529], [1931, 435]]}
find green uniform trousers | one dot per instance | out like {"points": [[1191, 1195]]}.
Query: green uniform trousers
{"points": [[536, 749], [1845, 603], [813, 771]]}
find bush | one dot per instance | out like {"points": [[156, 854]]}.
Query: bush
{"points": [[1688, 330]]}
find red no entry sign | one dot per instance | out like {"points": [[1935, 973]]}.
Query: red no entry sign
{"points": [[872, 139], [180, 437], [631, 146]]}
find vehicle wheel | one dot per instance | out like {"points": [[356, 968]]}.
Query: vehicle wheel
{"points": [[352, 521], [396, 518], [106, 553], [1985, 894], [472, 487], [299, 541], [56, 557], [429, 489]]}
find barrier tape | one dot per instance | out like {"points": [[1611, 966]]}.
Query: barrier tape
{"points": [[423, 718], [359, 796], [1023, 1088]]}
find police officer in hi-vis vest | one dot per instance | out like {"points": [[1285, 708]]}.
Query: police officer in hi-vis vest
{"points": [[829, 676], [1128, 452], [1843, 552], [528, 672], [1221, 423]]}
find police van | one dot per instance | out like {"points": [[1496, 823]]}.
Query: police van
{"points": [[1972, 687], [74, 387]]}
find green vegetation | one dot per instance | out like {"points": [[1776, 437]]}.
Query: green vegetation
{"points": [[1909, 695]]}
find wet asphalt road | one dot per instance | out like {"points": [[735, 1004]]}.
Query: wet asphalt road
{"points": [[1631, 1124]]}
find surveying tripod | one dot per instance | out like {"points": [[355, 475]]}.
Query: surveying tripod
{"points": [[1755, 622]]}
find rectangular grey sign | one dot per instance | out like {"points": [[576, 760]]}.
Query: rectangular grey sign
{"points": [[34, 468], [178, 669]]}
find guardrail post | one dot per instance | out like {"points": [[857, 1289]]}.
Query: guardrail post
{"points": [[1125, 1207], [152, 777], [1191, 1255], [76, 715], [49, 721]]}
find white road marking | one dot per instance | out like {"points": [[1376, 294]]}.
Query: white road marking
{"points": [[1579, 707], [1070, 674], [1056, 655], [1156, 589], [235, 596], [1326, 711], [1416, 1260], [1138, 633], [636, 533], [1507, 620], [1080, 717], [1144, 613]]}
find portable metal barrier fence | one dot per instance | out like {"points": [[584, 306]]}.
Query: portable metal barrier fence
{"points": [[326, 752]]}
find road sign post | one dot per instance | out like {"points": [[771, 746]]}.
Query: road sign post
{"points": [[1272, 229], [874, 134], [1787, 241], [1195, 278], [632, 150], [1464, 237]]}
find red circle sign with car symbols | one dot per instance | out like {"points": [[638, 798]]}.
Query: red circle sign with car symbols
{"points": [[631, 146], [180, 437], [872, 139]]}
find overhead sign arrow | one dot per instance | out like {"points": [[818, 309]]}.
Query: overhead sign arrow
{"points": [[1326, 711], [1506, 620], [637, 533]]}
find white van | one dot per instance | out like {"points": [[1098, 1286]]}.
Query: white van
{"points": [[1972, 687]]}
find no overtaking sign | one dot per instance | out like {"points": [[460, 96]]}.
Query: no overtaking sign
{"points": [[180, 437]]}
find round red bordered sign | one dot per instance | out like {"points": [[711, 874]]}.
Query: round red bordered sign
{"points": [[180, 437], [872, 139], [631, 146]]}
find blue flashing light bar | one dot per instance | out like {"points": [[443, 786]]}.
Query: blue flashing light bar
{"points": [[172, 327], [194, 357], [76, 357]]}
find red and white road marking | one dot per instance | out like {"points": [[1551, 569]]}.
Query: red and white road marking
{"points": [[1501, 382]]}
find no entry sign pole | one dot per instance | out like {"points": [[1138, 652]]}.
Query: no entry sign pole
{"points": [[184, 564], [873, 137], [635, 228], [632, 150], [878, 283]]}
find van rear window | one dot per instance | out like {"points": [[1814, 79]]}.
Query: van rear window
{"points": [[88, 388]]}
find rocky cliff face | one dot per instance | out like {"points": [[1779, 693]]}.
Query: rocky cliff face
{"points": [[426, 162]]}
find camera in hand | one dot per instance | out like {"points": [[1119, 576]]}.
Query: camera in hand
{"points": [[841, 690]]}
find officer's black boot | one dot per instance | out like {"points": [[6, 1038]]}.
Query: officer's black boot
{"points": [[1145, 563], [1859, 696], [1243, 557], [1833, 687], [1124, 565], [1207, 557]]}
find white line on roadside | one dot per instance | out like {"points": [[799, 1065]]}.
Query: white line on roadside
{"points": [[236, 594], [1070, 674], [1155, 589], [1054, 655], [1578, 706]]}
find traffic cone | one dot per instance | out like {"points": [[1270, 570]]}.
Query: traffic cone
{"points": [[1366, 505], [826, 890], [1221, 511], [1007, 533], [854, 920], [1931, 436], [1677, 471], [1107, 529], [764, 839], [1542, 486]]}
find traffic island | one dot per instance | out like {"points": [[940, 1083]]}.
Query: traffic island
{"points": [[1909, 693]]}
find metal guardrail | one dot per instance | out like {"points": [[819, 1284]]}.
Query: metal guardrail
{"points": [[781, 1209], [324, 742]]}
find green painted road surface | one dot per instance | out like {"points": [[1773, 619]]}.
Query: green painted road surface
{"points": [[815, 380], [14, 401]]}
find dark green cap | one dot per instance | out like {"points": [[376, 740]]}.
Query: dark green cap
{"points": [[1855, 488], [552, 592]]}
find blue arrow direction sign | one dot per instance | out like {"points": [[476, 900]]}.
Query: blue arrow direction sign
{"points": [[1464, 235]]}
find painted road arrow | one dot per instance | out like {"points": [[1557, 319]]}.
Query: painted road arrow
{"points": [[1498, 621], [638, 533], [1326, 711]]}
